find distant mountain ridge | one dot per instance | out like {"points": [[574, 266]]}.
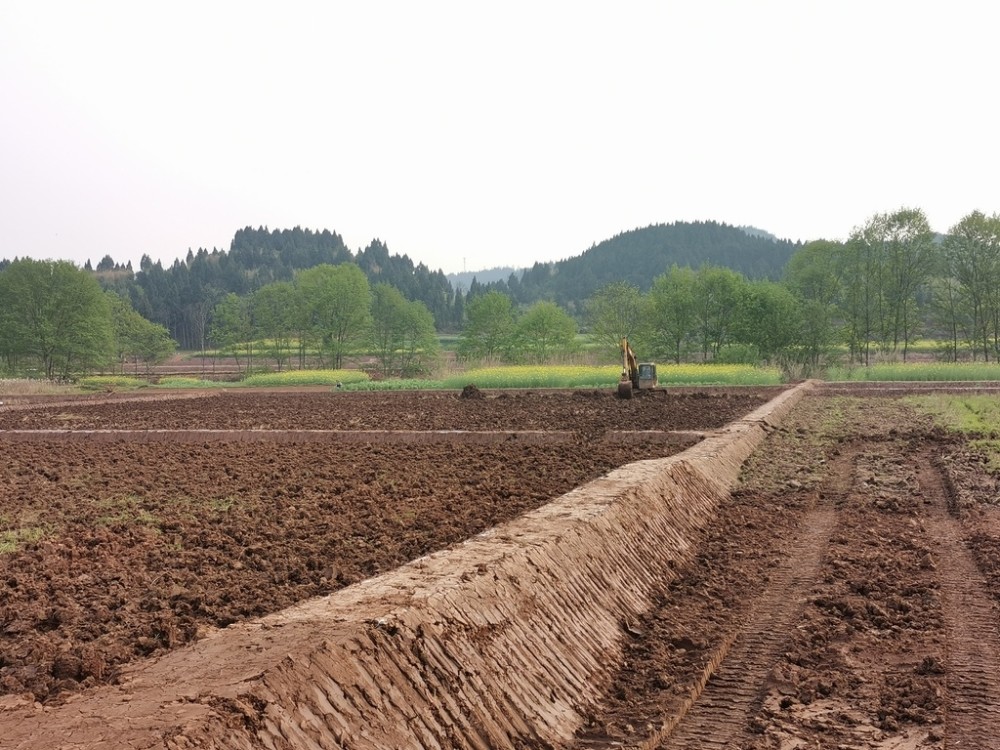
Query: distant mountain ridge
{"points": [[640, 255], [463, 280]]}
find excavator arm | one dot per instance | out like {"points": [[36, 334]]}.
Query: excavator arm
{"points": [[630, 371]]}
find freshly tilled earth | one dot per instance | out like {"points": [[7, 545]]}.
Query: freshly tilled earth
{"points": [[116, 551], [591, 412], [845, 597]]}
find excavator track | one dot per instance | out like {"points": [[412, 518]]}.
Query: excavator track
{"points": [[971, 619], [721, 713]]}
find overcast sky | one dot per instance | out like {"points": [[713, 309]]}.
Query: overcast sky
{"points": [[469, 135]]}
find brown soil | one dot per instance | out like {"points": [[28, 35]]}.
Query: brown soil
{"points": [[590, 412], [125, 549], [846, 597]]}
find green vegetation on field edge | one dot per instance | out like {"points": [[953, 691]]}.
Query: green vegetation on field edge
{"points": [[499, 377], [976, 416], [521, 376], [918, 371]]}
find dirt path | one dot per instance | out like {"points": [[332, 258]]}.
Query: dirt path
{"points": [[836, 603]]}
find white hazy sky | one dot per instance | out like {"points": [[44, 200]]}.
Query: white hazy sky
{"points": [[469, 135]]}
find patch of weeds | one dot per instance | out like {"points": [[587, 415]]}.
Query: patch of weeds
{"points": [[222, 504], [67, 417], [128, 511], [405, 518], [990, 450], [12, 540]]}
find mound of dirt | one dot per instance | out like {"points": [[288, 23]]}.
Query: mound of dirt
{"points": [[471, 391]]}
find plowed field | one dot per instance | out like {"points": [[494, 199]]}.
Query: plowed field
{"points": [[845, 596], [118, 549], [587, 412]]}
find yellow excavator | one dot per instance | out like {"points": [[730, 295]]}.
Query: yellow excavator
{"points": [[635, 375]]}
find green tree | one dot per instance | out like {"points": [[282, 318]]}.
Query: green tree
{"points": [[274, 309], [136, 338], [952, 313], [421, 348], [910, 258], [811, 275], [56, 315], [768, 320], [717, 297], [972, 258], [614, 312], [388, 309], [490, 327], [337, 300], [884, 264], [859, 272], [152, 345], [543, 331], [231, 329], [403, 336], [671, 308]]}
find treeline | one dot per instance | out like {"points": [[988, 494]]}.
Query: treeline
{"points": [[181, 297], [325, 315], [57, 321], [893, 281]]}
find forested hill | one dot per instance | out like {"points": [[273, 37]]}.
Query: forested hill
{"points": [[183, 296], [640, 255]]}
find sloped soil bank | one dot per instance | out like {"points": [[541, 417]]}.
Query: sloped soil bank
{"points": [[118, 551]]}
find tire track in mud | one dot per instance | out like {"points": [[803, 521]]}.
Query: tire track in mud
{"points": [[971, 616], [719, 716], [720, 713]]}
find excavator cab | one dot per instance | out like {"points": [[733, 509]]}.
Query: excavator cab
{"points": [[647, 375]]}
